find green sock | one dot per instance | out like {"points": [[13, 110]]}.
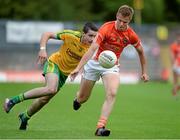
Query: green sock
{"points": [[17, 99]]}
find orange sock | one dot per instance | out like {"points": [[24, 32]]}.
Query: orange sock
{"points": [[102, 122]]}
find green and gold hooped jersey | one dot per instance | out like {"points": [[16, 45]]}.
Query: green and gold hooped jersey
{"points": [[70, 53]]}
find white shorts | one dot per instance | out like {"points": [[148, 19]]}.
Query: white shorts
{"points": [[176, 69], [93, 71]]}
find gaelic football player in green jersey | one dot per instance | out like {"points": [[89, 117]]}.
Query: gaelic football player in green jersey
{"points": [[57, 67]]}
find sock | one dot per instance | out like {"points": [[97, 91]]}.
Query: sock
{"points": [[102, 122], [17, 99]]}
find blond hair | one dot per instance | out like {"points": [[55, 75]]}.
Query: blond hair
{"points": [[126, 11]]}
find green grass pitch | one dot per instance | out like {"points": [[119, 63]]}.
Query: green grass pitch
{"points": [[141, 111]]}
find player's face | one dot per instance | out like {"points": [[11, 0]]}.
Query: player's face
{"points": [[88, 37], [122, 22]]}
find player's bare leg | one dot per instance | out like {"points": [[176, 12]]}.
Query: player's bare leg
{"points": [[111, 84], [84, 93], [40, 102], [34, 108], [49, 89]]}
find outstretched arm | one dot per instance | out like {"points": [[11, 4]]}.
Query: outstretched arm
{"points": [[42, 56], [144, 75], [84, 60]]}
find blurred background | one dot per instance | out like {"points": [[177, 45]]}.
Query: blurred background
{"points": [[23, 21]]}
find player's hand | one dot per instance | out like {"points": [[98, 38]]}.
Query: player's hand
{"points": [[73, 74], [42, 57], [145, 77]]}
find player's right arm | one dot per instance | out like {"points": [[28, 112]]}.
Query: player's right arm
{"points": [[84, 60], [94, 46], [42, 56]]}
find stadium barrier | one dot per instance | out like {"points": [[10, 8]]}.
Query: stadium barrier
{"points": [[36, 76]]}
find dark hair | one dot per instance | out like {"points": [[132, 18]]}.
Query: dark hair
{"points": [[89, 26]]}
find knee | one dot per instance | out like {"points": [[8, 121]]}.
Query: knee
{"points": [[111, 94], [51, 90]]}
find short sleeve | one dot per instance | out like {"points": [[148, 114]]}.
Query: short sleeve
{"points": [[67, 34], [134, 39], [60, 35]]}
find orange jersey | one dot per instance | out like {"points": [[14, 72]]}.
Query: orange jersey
{"points": [[175, 49], [109, 38]]}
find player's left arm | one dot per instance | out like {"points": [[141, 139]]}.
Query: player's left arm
{"points": [[142, 59], [135, 41]]}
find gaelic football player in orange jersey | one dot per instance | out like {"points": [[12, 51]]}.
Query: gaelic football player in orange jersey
{"points": [[56, 68], [175, 59], [114, 36]]}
